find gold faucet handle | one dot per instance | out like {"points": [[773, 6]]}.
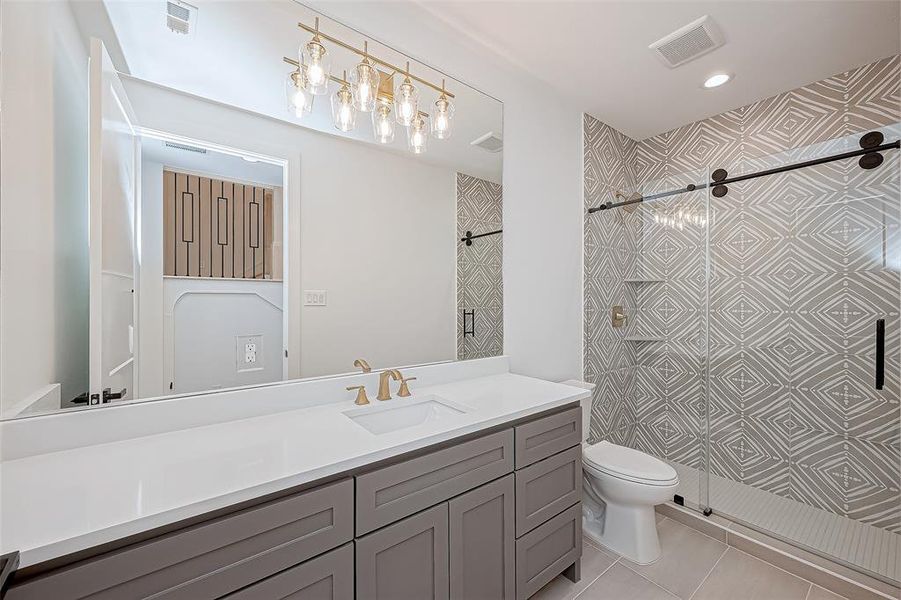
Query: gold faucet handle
{"points": [[404, 391], [361, 394]]}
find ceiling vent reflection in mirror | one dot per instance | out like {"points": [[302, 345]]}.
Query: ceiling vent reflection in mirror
{"points": [[181, 17], [490, 142], [688, 43], [392, 95], [185, 147]]}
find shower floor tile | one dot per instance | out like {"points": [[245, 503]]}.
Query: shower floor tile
{"points": [[844, 540]]}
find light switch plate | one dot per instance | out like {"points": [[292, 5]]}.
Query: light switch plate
{"points": [[315, 297]]}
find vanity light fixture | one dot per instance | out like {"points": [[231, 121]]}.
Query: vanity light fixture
{"points": [[343, 110], [383, 122], [418, 137], [406, 100], [364, 83], [717, 80], [441, 118], [368, 89], [316, 57]]}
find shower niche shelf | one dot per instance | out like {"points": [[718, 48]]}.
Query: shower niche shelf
{"points": [[642, 280]]}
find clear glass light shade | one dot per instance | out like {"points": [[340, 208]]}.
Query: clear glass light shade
{"points": [[300, 101], [343, 111], [383, 123], [442, 118], [317, 60], [406, 102], [364, 84], [418, 135]]}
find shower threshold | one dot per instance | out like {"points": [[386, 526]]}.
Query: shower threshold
{"points": [[872, 550]]}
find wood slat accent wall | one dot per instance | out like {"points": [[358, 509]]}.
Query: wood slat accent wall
{"points": [[221, 228]]}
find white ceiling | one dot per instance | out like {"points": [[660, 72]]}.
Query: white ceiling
{"points": [[226, 166], [235, 57], [595, 54]]}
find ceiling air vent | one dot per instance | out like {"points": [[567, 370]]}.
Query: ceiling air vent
{"points": [[688, 43], [185, 147], [181, 17], [488, 142]]}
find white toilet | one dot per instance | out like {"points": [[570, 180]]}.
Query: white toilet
{"points": [[621, 486]]}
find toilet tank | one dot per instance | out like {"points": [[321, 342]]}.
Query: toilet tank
{"points": [[586, 405]]}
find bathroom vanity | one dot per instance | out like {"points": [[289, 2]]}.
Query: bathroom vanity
{"points": [[487, 507]]}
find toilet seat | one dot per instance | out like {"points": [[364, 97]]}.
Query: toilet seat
{"points": [[628, 464]]}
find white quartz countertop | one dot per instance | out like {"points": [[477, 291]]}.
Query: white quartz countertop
{"points": [[60, 502]]}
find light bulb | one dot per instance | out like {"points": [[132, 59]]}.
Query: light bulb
{"points": [[418, 135], [343, 109], [316, 58], [300, 101], [441, 119], [406, 102], [383, 123], [364, 83]]}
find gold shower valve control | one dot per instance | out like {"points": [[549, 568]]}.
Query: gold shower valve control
{"points": [[618, 316]]}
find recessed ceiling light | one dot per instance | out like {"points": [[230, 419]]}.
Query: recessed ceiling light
{"points": [[717, 80]]}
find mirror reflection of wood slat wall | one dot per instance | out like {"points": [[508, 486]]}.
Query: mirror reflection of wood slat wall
{"points": [[221, 228]]}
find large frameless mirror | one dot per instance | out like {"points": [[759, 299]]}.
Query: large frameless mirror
{"points": [[208, 195]]}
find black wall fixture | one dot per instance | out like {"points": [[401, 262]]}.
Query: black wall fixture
{"points": [[471, 330], [871, 147], [469, 236]]}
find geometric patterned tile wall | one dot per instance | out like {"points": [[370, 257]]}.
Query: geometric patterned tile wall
{"points": [[479, 268], [801, 264]]}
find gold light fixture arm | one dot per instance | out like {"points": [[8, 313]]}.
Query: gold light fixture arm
{"points": [[364, 53]]}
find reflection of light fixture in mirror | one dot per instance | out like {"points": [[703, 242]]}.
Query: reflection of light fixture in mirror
{"points": [[441, 118], [315, 56], [418, 134], [343, 110], [364, 83], [300, 101], [383, 122], [406, 100]]}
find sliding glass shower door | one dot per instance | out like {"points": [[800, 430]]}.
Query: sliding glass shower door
{"points": [[802, 337]]}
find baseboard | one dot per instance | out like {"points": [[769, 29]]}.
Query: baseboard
{"points": [[827, 574]]}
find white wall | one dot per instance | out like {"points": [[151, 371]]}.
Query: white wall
{"points": [[43, 202], [376, 230], [542, 182]]}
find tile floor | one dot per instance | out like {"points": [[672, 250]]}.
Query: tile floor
{"points": [[692, 567]]}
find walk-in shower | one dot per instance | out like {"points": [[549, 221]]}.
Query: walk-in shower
{"points": [[762, 354]]}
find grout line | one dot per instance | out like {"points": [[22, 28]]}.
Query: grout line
{"points": [[692, 595], [651, 582], [610, 566], [809, 589]]}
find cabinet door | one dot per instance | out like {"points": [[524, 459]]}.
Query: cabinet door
{"points": [[327, 577], [406, 560], [482, 543]]}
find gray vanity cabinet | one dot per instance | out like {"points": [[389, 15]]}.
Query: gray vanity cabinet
{"points": [[407, 560], [483, 543]]}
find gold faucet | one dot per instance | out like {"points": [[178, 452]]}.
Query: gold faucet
{"points": [[363, 365], [384, 386], [404, 391], [361, 394]]}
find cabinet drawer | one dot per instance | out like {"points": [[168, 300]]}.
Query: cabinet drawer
{"points": [[547, 550], [406, 560], [212, 558], [391, 493], [544, 437], [328, 577], [547, 487]]}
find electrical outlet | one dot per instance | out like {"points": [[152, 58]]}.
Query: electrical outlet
{"points": [[249, 352], [315, 298]]}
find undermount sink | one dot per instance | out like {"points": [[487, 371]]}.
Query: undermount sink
{"points": [[401, 413]]}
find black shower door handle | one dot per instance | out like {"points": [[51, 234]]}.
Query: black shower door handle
{"points": [[880, 354]]}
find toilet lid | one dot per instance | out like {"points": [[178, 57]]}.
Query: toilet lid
{"points": [[628, 463]]}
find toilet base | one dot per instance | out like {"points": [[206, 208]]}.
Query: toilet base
{"points": [[627, 530]]}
